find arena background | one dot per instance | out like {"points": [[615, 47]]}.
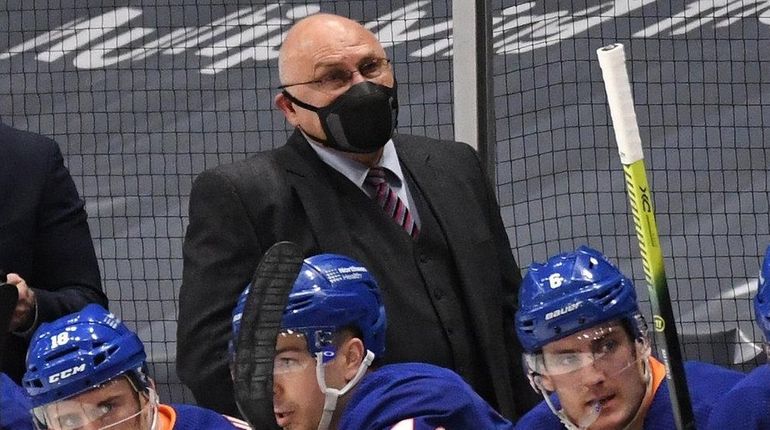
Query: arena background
{"points": [[144, 95]]}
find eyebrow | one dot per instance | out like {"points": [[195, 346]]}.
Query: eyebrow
{"points": [[602, 338], [564, 351], [110, 399], [333, 64], [595, 341], [288, 349]]}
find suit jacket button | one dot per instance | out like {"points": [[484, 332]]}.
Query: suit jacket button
{"points": [[437, 294], [424, 258]]}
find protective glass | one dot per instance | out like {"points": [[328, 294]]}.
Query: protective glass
{"points": [[336, 80], [292, 353], [606, 347], [115, 410]]}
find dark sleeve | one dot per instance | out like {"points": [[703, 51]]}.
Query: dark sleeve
{"points": [[67, 274], [220, 253]]}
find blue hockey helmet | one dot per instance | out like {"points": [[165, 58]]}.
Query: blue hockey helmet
{"points": [[571, 292], [237, 314], [80, 351], [333, 292], [762, 299]]}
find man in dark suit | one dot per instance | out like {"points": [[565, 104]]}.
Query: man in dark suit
{"points": [[45, 244], [439, 249]]}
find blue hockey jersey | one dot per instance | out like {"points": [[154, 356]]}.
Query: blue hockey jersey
{"points": [[418, 396], [14, 406], [189, 417], [747, 405], [706, 383]]}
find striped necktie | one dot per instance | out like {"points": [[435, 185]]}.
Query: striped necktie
{"points": [[388, 200]]}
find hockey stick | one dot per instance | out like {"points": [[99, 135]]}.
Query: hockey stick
{"points": [[613, 64], [260, 324]]}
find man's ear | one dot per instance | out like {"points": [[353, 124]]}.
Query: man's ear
{"points": [[287, 107], [353, 353]]}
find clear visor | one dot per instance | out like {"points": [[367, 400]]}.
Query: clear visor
{"points": [[292, 354], [580, 363], [607, 348], [113, 405]]}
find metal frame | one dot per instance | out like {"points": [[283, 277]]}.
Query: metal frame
{"points": [[473, 85]]}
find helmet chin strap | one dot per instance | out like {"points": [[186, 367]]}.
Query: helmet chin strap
{"points": [[332, 394], [596, 410], [154, 400]]}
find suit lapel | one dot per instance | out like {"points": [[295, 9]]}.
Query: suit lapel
{"points": [[308, 176], [440, 190]]}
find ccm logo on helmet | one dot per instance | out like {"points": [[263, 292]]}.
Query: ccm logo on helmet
{"points": [[64, 374], [559, 312]]}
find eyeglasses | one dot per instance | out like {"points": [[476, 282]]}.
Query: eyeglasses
{"points": [[333, 80]]}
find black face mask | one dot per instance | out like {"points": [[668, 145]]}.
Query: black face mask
{"points": [[360, 120]]}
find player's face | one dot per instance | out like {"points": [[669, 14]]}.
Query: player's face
{"points": [[597, 365], [297, 398], [114, 406]]}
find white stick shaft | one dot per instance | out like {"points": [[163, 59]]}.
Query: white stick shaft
{"points": [[612, 60]]}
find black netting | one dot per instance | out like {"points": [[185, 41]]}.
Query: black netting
{"points": [[699, 74], [142, 96]]}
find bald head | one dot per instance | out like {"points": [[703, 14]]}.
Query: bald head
{"points": [[327, 49], [322, 37]]}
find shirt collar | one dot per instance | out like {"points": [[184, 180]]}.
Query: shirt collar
{"points": [[353, 170], [389, 161]]}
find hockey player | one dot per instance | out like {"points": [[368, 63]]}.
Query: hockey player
{"points": [[587, 351], [14, 406], [326, 371], [87, 370], [747, 405]]}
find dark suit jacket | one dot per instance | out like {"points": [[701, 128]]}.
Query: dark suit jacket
{"points": [[237, 211], [44, 235]]}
